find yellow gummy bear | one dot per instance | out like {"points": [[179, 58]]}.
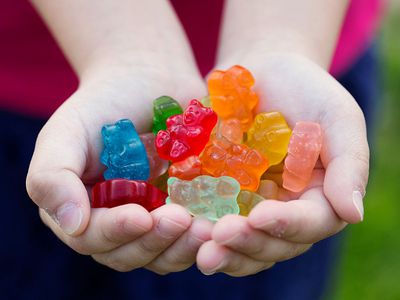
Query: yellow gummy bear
{"points": [[247, 200], [270, 135]]}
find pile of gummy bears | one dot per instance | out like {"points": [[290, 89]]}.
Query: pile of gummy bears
{"points": [[213, 156]]}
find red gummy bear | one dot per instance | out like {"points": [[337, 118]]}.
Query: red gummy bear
{"points": [[187, 134], [115, 192]]}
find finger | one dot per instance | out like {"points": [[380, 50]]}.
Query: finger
{"points": [[169, 223], [182, 254], [235, 233], [345, 154], [107, 229], [306, 220], [53, 181], [213, 258]]}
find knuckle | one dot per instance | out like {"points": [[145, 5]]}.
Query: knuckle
{"points": [[79, 246], [156, 269], [267, 266], [361, 156], [245, 271], [179, 261], [35, 186], [121, 267], [161, 272], [235, 266], [236, 274], [251, 271], [175, 264], [150, 249], [182, 267], [113, 262], [294, 251], [111, 236], [256, 250]]}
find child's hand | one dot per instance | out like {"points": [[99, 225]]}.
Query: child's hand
{"points": [[279, 230], [66, 165]]}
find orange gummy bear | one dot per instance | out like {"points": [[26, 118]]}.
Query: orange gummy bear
{"points": [[224, 158], [186, 169], [303, 152], [230, 129], [231, 95]]}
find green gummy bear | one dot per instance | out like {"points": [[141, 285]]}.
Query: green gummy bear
{"points": [[163, 108], [205, 196], [206, 101]]}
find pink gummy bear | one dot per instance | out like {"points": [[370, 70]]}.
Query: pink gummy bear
{"points": [[158, 166], [303, 152]]}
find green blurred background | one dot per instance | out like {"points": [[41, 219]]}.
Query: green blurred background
{"points": [[370, 264]]}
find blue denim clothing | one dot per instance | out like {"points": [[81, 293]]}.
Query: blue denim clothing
{"points": [[36, 265]]}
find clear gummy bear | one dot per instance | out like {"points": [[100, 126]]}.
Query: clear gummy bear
{"points": [[205, 196]]}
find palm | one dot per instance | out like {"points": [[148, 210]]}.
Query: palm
{"points": [[302, 91], [66, 164], [84, 114], [279, 230]]}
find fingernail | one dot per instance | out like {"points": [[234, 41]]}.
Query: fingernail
{"points": [[358, 203], [214, 270], [69, 217], [208, 273], [168, 228]]}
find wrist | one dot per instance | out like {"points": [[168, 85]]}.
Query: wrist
{"points": [[135, 65], [136, 85], [274, 44]]}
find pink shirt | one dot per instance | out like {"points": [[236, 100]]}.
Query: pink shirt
{"points": [[358, 31], [35, 78]]}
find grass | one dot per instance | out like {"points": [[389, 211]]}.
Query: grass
{"points": [[370, 266]]}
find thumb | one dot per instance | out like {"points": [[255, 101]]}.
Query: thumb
{"points": [[53, 181], [345, 155]]}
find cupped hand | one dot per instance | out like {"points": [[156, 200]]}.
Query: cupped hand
{"points": [[280, 229], [65, 166]]}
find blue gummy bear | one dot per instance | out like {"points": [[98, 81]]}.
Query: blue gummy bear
{"points": [[124, 153]]}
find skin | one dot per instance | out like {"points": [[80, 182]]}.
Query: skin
{"points": [[289, 56], [323, 207], [123, 64], [122, 67]]}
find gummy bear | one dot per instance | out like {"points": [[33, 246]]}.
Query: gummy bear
{"points": [[186, 169], [270, 134], [117, 192], [231, 130], [186, 134], [274, 173], [161, 182], [231, 95], [205, 195], [268, 189], [124, 153], [223, 158], [247, 200], [303, 152], [158, 166], [163, 108], [206, 101]]}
